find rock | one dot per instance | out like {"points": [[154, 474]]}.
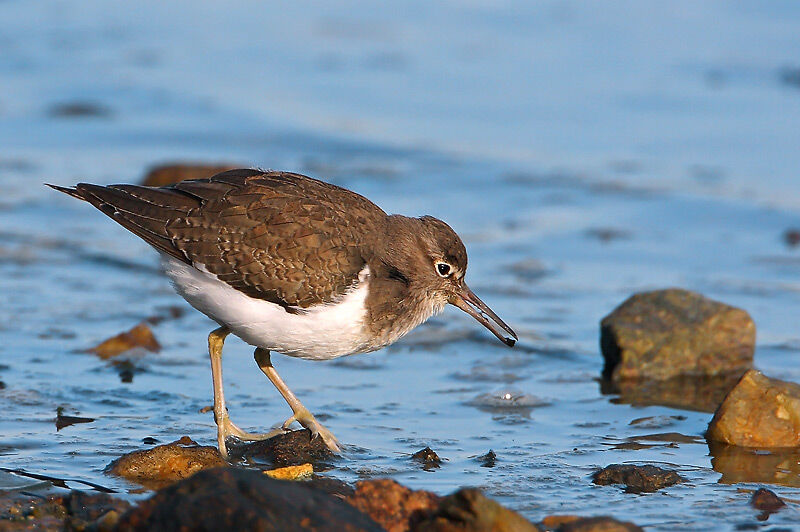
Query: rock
{"points": [[139, 336], [598, 524], [751, 465], [487, 460], [75, 510], [296, 472], [168, 174], [63, 421], [237, 499], [428, 458], [636, 478], [164, 464], [666, 333], [758, 412], [468, 510], [700, 393], [289, 449], [393, 506], [766, 500]]}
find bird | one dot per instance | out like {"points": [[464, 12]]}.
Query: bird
{"points": [[294, 265]]}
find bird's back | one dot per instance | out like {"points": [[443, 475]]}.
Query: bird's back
{"points": [[277, 236]]}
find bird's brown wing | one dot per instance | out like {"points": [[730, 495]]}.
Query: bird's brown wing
{"points": [[282, 237]]}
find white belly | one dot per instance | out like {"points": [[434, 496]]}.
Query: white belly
{"points": [[321, 332]]}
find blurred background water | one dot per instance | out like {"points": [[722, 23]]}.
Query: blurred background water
{"points": [[584, 151]]}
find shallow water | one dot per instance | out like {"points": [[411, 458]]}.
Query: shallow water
{"points": [[591, 173]]}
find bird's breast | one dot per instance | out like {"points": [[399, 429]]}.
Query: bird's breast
{"points": [[319, 332]]}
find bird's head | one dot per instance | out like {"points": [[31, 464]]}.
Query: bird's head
{"points": [[436, 262]]}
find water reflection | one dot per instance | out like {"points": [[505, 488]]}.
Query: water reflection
{"points": [[768, 466], [700, 394]]}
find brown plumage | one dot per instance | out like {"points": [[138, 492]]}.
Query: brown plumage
{"points": [[244, 244]]}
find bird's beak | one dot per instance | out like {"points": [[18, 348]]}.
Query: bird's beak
{"points": [[466, 300]]}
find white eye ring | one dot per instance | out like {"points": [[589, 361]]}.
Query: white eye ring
{"points": [[444, 269]]}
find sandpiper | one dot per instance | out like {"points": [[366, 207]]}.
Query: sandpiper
{"points": [[295, 265]]}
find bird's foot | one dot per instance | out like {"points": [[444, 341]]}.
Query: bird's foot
{"points": [[307, 420], [227, 428]]}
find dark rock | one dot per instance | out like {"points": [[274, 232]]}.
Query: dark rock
{"points": [[687, 392], [468, 510], [487, 460], [766, 500], [598, 524], [140, 336], [758, 412], [164, 464], [751, 465], [75, 510], [428, 458], [393, 506], [85, 508], [636, 478], [666, 333], [63, 421], [168, 174], [291, 448], [238, 499]]}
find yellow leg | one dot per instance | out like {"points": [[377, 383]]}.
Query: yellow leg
{"points": [[226, 427], [299, 412]]}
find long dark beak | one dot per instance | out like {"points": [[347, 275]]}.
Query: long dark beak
{"points": [[467, 301]]}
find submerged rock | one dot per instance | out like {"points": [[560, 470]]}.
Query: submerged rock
{"points": [[667, 333], [766, 500], [238, 499], [759, 412], [292, 448], [75, 510], [168, 174], [140, 336], [164, 464], [468, 510], [393, 506], [574, 523], [636, 478]]}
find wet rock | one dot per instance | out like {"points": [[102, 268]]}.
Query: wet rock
{"points": [[140, 336], [759, 412], [766, 500], [164, 464], [468, 510], [698, 393], [666, 333], [487, 460], [289, 449], [296, 472], [393, 506], [167, 174], [636, 478], [63, 421], [75, 510], [238, 499], [589, 524], [750, 465], [428, 458]]}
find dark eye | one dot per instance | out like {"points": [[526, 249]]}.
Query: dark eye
{"points": [[443, 268]]}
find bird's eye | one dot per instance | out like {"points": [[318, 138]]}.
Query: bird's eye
{"points": [[443, 269]]}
